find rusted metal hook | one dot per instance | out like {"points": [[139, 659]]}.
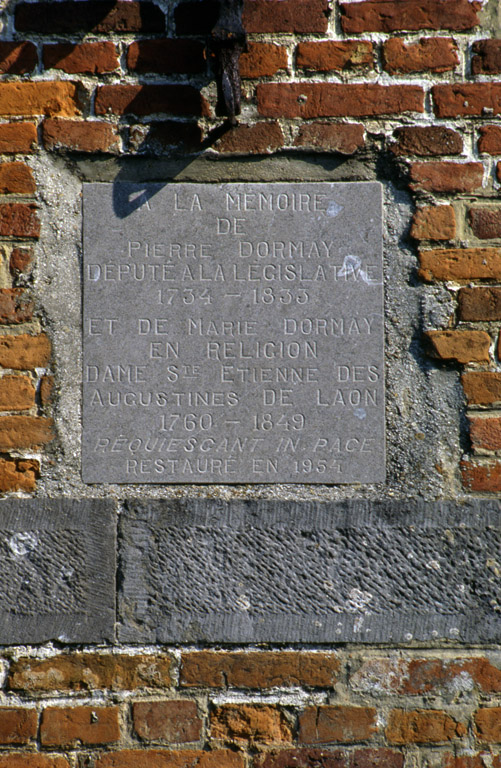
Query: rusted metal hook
{"points": [[228, 42]]}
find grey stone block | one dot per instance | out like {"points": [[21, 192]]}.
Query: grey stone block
{"points": [[355, 571], [57, 580]]}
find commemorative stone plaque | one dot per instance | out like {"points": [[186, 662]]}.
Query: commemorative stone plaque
{"points": [[233, 333]]}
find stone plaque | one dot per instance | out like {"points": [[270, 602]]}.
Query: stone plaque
{"points": [[208, 571], [57, 580], [233, 333]]}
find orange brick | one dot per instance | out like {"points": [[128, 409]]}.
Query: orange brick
{"points": [[460, 264], [436, 222], [81, 136], [488, 724], [16, 178], [17, 393], [163, 758], [328, 724], [331, 55], [263, 60], [17, 137], [18, 475], [482, 387], [24, 352], [460, 346], [481, 477], [24, 432], [485, 433], [479, 303], [425, 726], [250, 722], [85, 725], [17, 726], [30, 760], [40, 98]]}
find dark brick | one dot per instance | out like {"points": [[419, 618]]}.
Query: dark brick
{"points": [[166, 56], [157, 136], [86, 58], [488, 58], [485, 222], [427, 141], [150, 99], [89, 16], [479, 303], [17, 58]]}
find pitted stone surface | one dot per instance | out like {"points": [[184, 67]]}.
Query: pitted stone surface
{"points": [[58, 570], [309, 572], [233, 333]]}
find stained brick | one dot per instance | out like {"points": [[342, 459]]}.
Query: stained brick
{"points": [[485, 433], [150, 99], [481, 478], [24, 432], [427, 141], [344, 138], [163, 758], [17, 726], [429, 726], [263, 60], [303, 758], [86, 725], [17, 58], [85, 58], [461, 264], [16, 178], [261, 138], [330, 55], [437, 222], [166, 56], [485, 222], [477, 304], [17, 393], [411, 15], [431, 54], [54, 99], [89, 671], [460, 347], [309, 100], [156, 136], [482, 387], [467, 99], [80, 136], [258, 669], [18, 475], [89, 16], [488, 724], [17, 137], [15, 306], [487, 60], [21, 260], [24, 352], [344, 724], [490, 139], [446, 177], [376, 758], [250, 722], [300, 16], [175, 721]]}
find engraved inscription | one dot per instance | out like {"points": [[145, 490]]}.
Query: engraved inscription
{"points": [[233, 333]]}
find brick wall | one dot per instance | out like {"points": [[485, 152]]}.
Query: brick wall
{"points": [[410, 87]]}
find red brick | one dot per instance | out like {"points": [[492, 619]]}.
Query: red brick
{"points": [[89, 671], [17, 726], [15, 306], [460, 264], [426, 141], [17, 393], [485, 433], [450, 760], [261, 138], [411, 15], [166, 56], [17, 58], [30, 760], [21, 260], [156, 136], [477, 304], [80, 136], [19, 220], [263, 669], [376, 758], [488, 58], [344, 138], [425, 726], [263, 60], [431, 54], [302, 758], [172, 721], [85, 58], [488, 724], [328, 724], [464, 99], [24, 352], [24, 432], [485, 222], [446, 177], [481, 477], [163, 758], [490, 139], [16, 179], [250, 722], [150, 99], [330, 55], [17, 137], [18, 475], [482, 387], [460, 346], [308, 100], [54, 99], [299, 16], [89, 16], [85, 725], [436, 222]]}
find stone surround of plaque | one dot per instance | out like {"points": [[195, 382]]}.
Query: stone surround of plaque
{"points": [[233, 333], [57, 580], [265, 571]]}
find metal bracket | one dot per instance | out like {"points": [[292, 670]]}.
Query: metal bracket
{"points": [[228, 42]]}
